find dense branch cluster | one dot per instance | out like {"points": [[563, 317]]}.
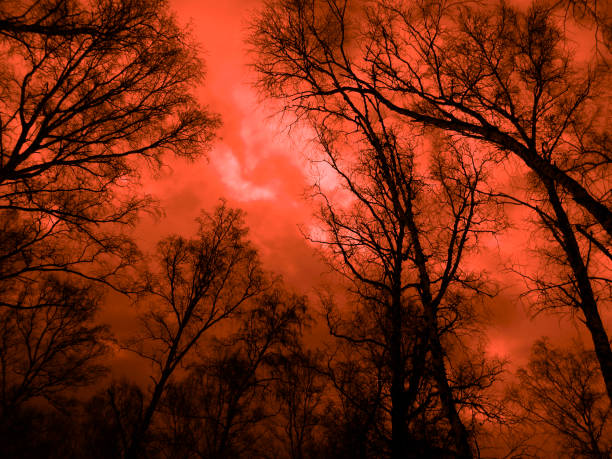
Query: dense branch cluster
{"points": [[90, 94], [420, 109]]}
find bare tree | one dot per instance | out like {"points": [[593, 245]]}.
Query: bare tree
{"points": [[501, 75], [404, 225], [300, 392], [89, 93], [563, 390], [223, 408], [488, 72], [61, 18], [577, 272], [198, 283], [108, 420], [351, 424], [48, 349], [34, 247]]}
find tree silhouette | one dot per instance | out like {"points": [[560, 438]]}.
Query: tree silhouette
{"points": [[198, 283], [562, 389], [403, 225], [503, 76], [89, 94], [491, 73], [576, 274], [222, 409], [51, 345], [34, 247], [48, 348], [300, 392], [108, 420]]}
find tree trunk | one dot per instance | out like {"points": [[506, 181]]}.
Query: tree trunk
{"points": [[398, 405], [588, 303], [141, 429], [460, 434], [550, 172]]}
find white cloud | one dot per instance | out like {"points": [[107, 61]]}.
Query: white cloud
{"points": [[230, 172]]}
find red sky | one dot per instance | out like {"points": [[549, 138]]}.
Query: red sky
{"points": [[258, 167], [254, 164]]}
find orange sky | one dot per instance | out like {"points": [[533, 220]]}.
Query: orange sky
{"points": [[256, 166]]}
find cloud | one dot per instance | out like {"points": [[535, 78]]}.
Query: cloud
{"points": [[231, 172]]}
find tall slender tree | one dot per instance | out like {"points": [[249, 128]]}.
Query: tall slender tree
{"points": [[404, 221], [505, 76], [198, 284]]}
